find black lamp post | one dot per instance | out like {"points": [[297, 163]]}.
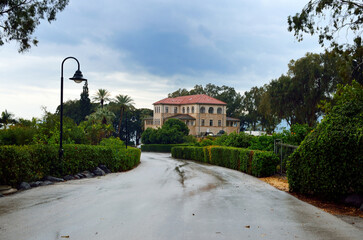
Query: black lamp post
{"points": [[78, 78], [133, 119]]}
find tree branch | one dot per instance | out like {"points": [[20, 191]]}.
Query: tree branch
{"points": [[14, 7]]}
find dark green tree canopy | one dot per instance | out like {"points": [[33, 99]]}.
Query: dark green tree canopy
{"points": [[19, 18], [328, 19], [177, 124], [222, 93], [173, 131], [310, 79]]}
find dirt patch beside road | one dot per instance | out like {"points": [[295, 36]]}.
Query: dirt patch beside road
{"points": [[280, 182]]}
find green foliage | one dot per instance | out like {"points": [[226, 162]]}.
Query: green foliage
{"points": [[328, 162], [159, 147], [190, 139], [239, 140], [327, 18], [112, 142], [206, 142], [102, 95], [245, 157], [17, 135], [18, 19], [176, 124], [85, 106], [310, 79], [263, 142], [33, 162], [48, 131], [264, 163], [172, 132], [257, 163], [187, 152]]}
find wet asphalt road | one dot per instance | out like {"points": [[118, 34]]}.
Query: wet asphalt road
{"points": [[166, 199]]}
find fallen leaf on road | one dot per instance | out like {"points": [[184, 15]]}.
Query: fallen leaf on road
{"points": [[248, 226], [64, 236]]}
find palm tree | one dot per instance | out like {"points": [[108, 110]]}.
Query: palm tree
{"points": [[7, 118], [123, 102], [102, 95], [101, 115]]}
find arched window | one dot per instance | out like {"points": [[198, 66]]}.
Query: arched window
{"points": [[219, 110], [187, 109], [211, 110], [183, 109], [202, 110], [175, 110], [192, 109]]}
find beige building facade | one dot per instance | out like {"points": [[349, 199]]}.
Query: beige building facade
{"points": [[201, 113]]}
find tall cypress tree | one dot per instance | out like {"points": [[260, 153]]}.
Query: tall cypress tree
{"points": [[85, 104]]}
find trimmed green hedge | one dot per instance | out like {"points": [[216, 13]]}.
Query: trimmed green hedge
{"points": [[329, 162], [33, 162], [166, 148], [257, 163]]}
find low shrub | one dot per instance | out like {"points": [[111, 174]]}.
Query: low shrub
{"points": [[257, 163], [33, 162], [188, 152], [264, 163], [245, 156], [17, 135]]}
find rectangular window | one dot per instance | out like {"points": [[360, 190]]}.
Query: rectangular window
{"points": [[219, 123], [166, 109], [211, 122], [202, 124], [175, 110]]}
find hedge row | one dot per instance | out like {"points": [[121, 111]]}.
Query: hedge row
{"points": [[253, 162], [166, 148], [32, 162]]}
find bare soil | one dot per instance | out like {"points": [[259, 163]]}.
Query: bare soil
{"points": [[281, 183]]}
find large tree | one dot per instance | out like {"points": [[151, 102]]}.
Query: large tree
{"points": [[84, 104], [19, 18], [328, 19], [310, 79], [250, 103]]}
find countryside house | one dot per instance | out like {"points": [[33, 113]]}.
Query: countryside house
{"points": [[201, 113]]}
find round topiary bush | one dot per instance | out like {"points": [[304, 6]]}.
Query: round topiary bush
{"points": [[328, 163]]}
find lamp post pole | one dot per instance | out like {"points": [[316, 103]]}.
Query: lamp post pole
{"points": [[77, 78]]}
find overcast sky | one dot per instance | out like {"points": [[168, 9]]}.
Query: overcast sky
{"points": [[149, 48]]}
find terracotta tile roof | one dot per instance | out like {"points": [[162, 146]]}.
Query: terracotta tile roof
{"points": [[191, 99]]}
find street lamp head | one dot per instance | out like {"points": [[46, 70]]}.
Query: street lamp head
{"points": [[133, 119], [78, 77]]}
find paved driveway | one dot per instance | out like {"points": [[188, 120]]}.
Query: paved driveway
{"points": [[165, 198]]}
